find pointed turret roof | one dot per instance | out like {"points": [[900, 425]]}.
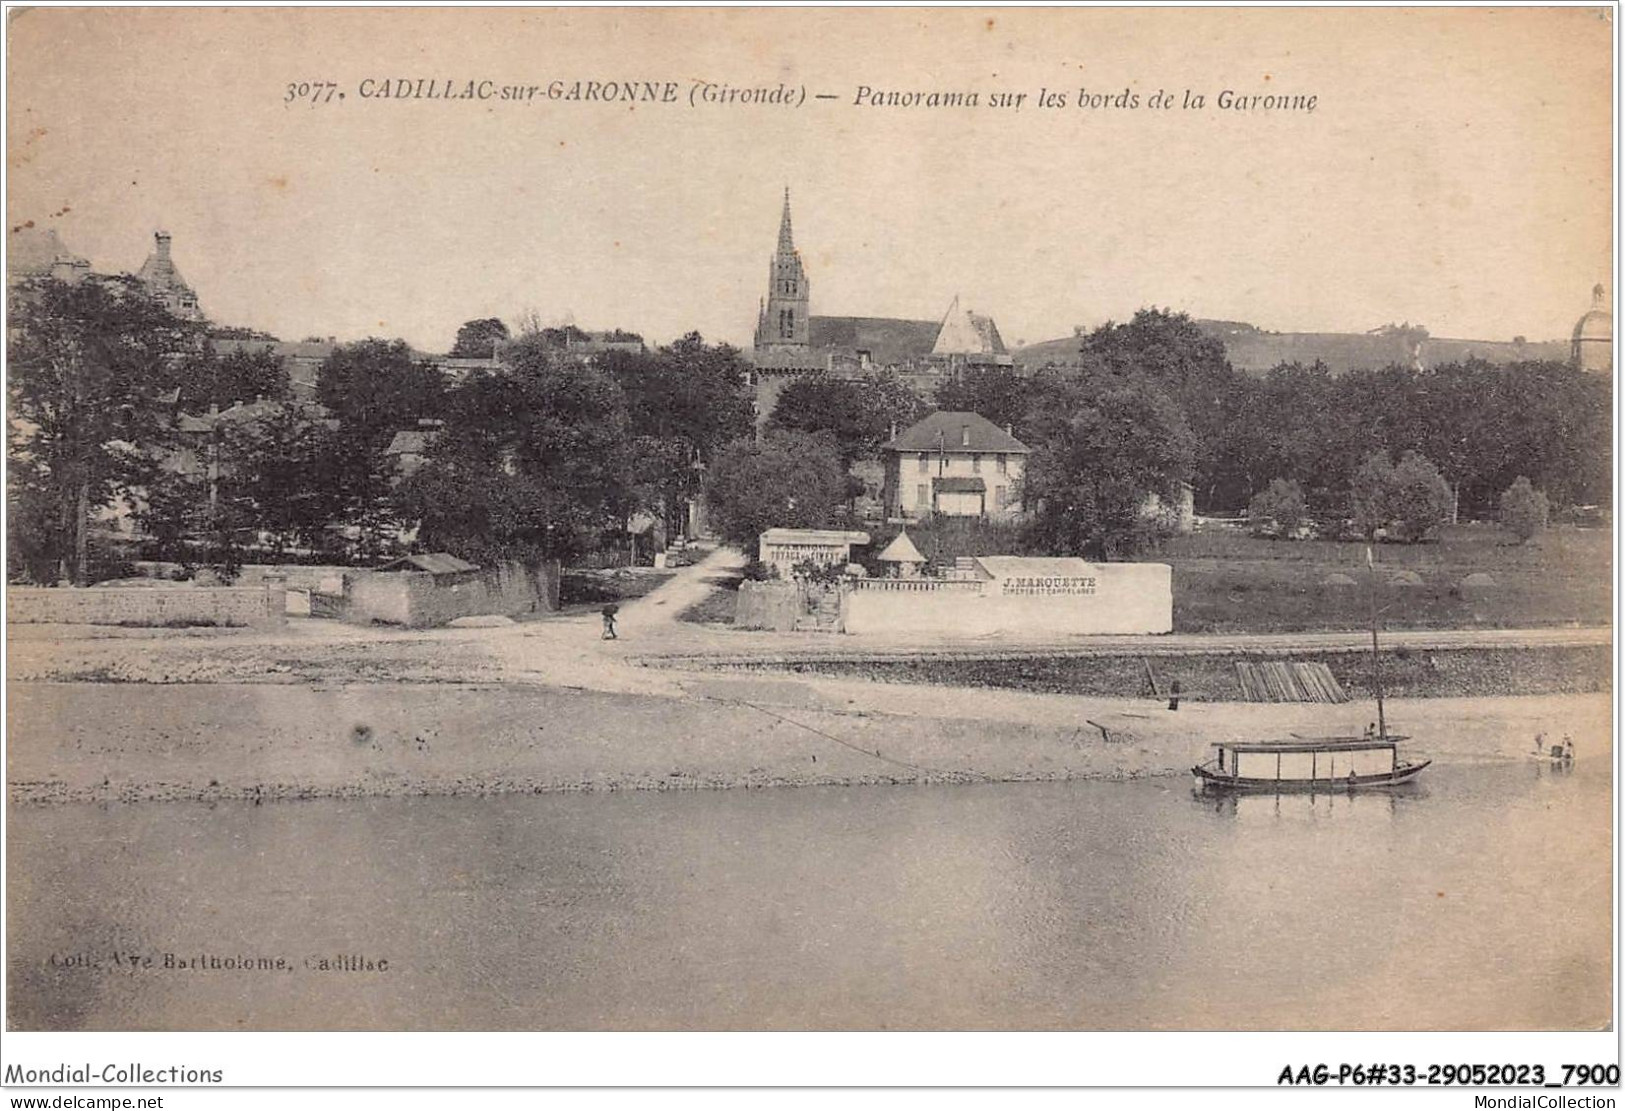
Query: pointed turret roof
{"points": [[901, 550]]}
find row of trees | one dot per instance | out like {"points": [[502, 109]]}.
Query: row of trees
{"points": [[544, 456], [116, 400], [1477, 426], [1152, 403]]}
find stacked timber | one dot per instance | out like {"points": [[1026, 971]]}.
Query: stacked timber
{"points": [[1283, 681]]}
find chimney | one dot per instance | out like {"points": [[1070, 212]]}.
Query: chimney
{"points": [[163, 244], [1009, 430], [964, 435]]}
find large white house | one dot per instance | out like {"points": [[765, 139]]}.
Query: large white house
{"points": [[956, 465]]}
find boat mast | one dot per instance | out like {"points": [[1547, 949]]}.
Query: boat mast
{"points": [[1376, 657]]}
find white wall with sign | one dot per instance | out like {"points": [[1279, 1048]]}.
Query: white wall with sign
{"points": [[1017, 596]]}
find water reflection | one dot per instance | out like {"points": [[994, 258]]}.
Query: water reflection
{"points": [[1307, 806]]}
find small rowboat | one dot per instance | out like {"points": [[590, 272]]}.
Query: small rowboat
{"points": [[1307, 764]]}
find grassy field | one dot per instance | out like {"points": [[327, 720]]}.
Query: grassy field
{"points": [[1212, 678], [1230, 582]]}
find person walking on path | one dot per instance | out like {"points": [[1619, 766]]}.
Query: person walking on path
{"points": [[609, 612]]}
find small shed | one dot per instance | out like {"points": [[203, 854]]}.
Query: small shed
{"points": [[903, 557], [783, 548], [437, 564]]}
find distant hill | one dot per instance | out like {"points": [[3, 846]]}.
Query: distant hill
{"points": [[1254, 351]]}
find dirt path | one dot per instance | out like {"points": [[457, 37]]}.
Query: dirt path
{"points": [[659, 608]]}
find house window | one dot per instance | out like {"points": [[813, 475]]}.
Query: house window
{"points": [[976, 463], [920, 496], [1003, 468], [925, 463]]}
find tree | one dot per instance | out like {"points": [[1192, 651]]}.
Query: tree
{"points": [[533, 463], [1278, 510], [1523, 510], [211, 379], [689, 389], [1421, 496], [88, 363], [478, 339], [1187, 364], [789, 480], [377, 387], [1368, 493], [1105, 444], [858, 413], [996, 393], [1408, 499]]}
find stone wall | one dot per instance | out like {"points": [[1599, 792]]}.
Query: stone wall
{"points": [[768, 605], [421, 600], [141, 605]]}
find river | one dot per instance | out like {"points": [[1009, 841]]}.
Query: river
{"points": [[1479, 898]]}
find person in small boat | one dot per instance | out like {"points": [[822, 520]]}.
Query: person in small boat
{"points": [[1568, 747]]}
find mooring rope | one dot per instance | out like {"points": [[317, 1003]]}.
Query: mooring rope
{"points": [[873, 753]]}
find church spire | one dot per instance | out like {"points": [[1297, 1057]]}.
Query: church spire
{"points": [[786, 241], [783, 323]]}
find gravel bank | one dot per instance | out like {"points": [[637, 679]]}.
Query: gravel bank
{"points": [[276, 741]]}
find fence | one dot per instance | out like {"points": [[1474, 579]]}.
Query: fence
{"points": [[917, 586]]}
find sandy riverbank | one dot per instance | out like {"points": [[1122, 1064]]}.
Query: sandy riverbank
{"points": [[103, 742]]}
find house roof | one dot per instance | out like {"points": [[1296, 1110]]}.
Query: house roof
{"points": [[437, 563], [889, 342], [901, 550], [32, 251], [957, 432], [959, 484], [813, 536]]}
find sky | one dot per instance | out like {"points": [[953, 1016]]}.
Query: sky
{"points": [[1455, 171]]}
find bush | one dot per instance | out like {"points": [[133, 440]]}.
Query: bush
{"points": [[1524, 509], [757, 571], [1409, 499], [1278, 511]]}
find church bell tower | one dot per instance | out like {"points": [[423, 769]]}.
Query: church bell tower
{"points": [[782, 324]]}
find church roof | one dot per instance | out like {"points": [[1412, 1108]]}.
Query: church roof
{"points": [[961, 432], [967, 333], [889, 342]]}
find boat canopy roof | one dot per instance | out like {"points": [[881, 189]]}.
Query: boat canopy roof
{"points": [[1313, 744]]}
